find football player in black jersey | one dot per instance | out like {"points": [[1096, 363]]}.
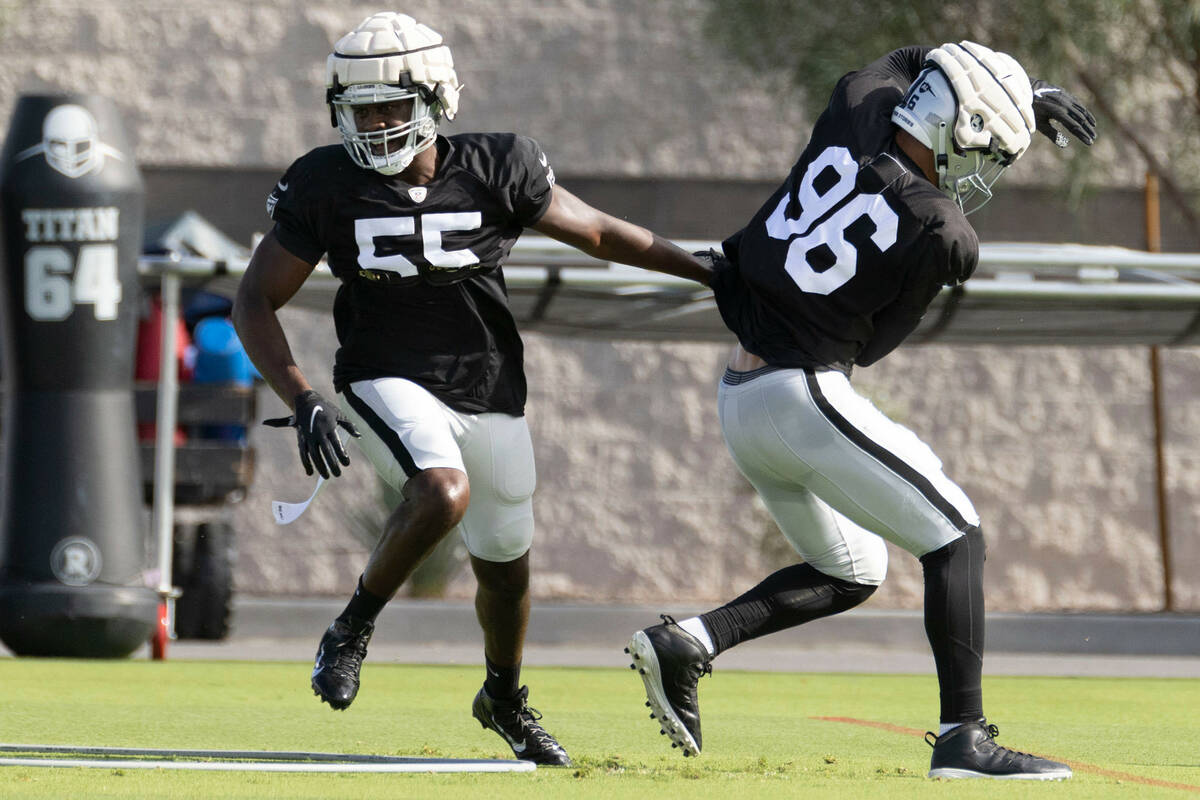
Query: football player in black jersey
{"points": [[836, 269], [429, 367]]}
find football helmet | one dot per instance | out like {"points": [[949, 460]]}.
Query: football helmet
{"points": [[390, 57], [973, 107], [71, 141]]}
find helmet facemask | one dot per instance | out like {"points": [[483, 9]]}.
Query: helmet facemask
{"points": [[967, 176], [390, 150]]}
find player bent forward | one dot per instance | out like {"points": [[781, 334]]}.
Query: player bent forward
{"points": [[836, 269], [429, 369]]}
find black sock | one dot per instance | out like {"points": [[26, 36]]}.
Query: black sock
{"points": [[363, 606], [501, 682], [954, 623], [786, 598]]}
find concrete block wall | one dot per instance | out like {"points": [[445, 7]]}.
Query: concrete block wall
{"points": [[625, 87], [638, 500]]}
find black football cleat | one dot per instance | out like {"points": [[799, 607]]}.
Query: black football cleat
{"points": [[339, 660], [671, 662], [970, 751], [518, 724]]}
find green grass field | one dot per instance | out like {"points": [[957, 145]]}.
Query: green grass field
{"points": [[763, 732]]}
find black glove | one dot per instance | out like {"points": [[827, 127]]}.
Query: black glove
{"points": [[1052, 104], [316, 422]]}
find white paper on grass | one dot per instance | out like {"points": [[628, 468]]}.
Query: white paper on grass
{"points": [[287, 513]]}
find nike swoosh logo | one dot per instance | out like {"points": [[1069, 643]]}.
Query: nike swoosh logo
{"points": [[542, 159], [282, 186], [518, 747], [1042, 92], [313, 418]]}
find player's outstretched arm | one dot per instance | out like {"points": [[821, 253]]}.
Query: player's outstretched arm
{"points": [[603, 236], [273, 276]]}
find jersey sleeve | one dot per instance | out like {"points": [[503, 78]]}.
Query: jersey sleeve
{"points": [[904, 64], [956, 246], [299, 224], [947, 253], [526, 181], [867, 96]]}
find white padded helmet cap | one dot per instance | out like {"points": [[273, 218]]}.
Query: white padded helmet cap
{"points": [[390, 48], [995, 98]]}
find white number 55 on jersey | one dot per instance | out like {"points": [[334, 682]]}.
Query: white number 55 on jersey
{"points": [[432, 228]]}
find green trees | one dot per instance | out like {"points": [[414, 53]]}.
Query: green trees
{"points": [[1135, 63]]}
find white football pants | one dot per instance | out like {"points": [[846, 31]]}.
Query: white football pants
{"points": [[405, 430], [835, 473]]}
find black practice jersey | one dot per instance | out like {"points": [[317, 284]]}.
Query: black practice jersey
{"points": [[422, 295], [840, 264]]}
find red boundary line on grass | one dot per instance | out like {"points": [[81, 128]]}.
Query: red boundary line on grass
{"points": [[1079, 765]]}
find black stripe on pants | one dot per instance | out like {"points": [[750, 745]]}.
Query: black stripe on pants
{"points": [[389, 437], [883, 455]]}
